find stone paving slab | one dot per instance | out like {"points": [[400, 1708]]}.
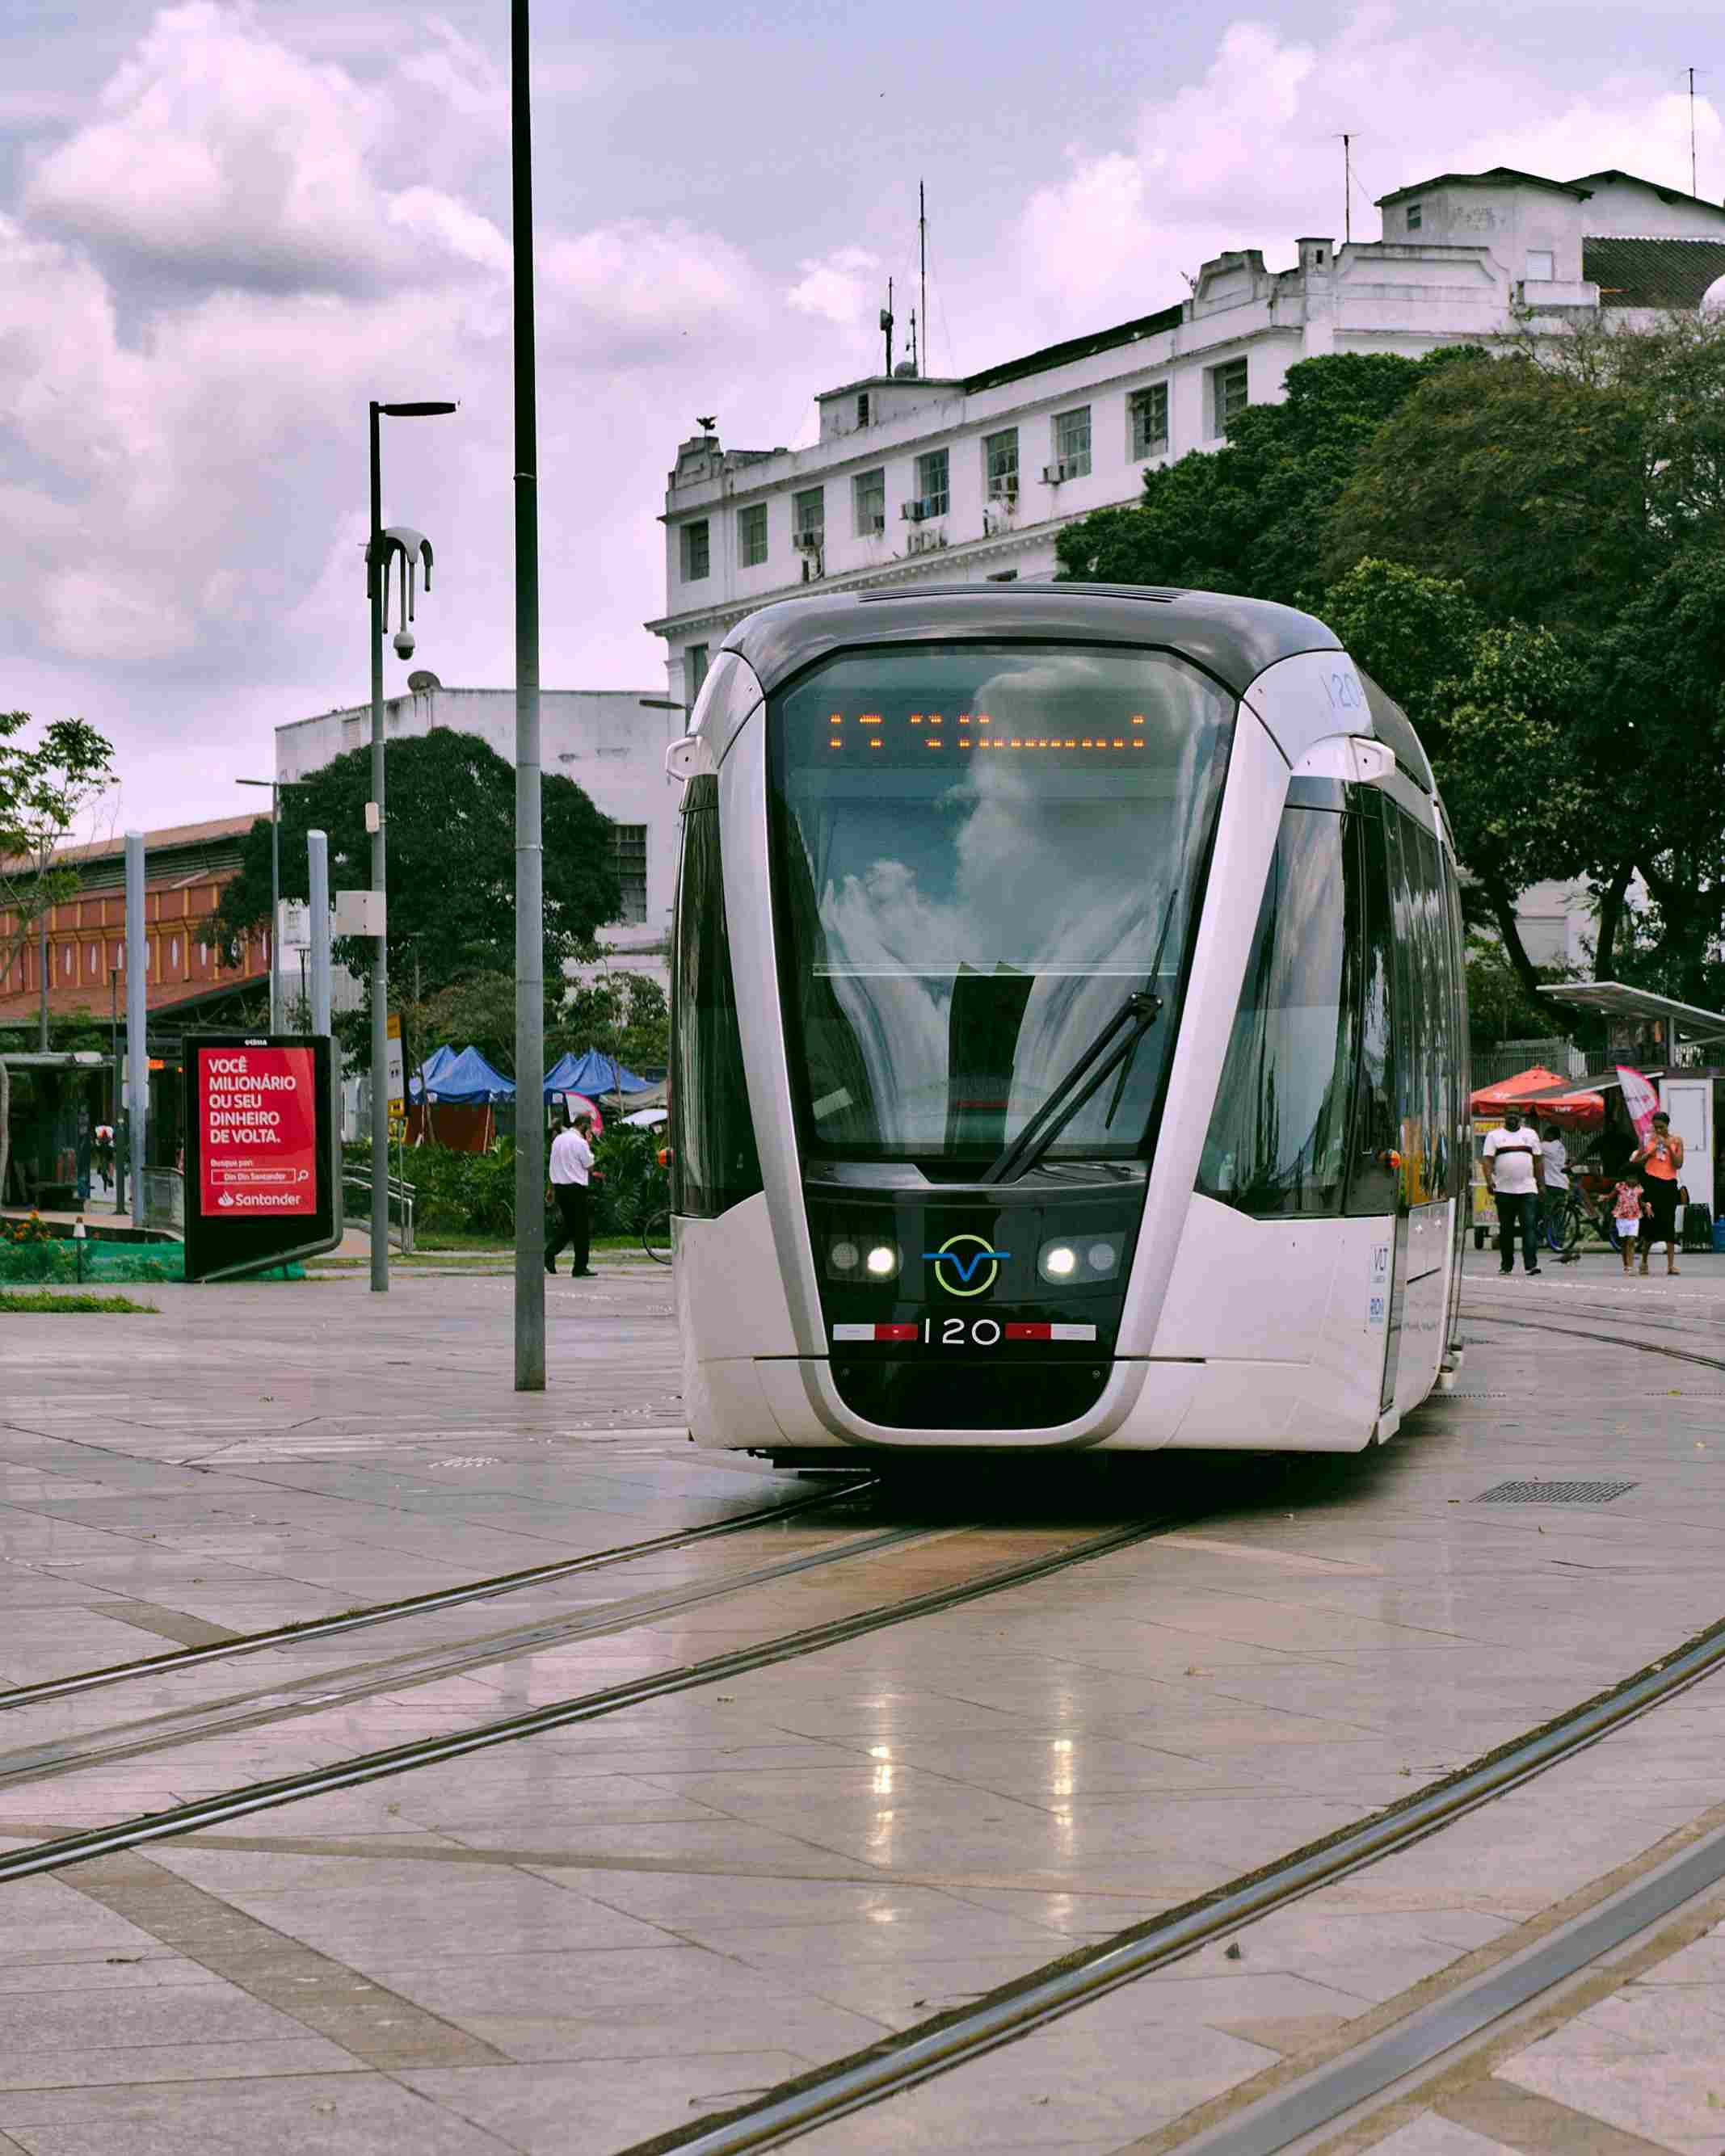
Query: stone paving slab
{"points": [[641, 1918]]}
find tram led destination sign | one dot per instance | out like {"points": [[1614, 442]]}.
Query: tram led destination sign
{"points": [[974, 733]]}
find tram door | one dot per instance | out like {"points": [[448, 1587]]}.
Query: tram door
{"points": [[1377, 1185]]}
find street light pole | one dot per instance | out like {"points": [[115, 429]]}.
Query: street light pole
{"points": [[529, 856], [376, 570], [378, 546]]}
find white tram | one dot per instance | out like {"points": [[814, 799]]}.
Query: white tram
{"points": [[1070, 1042]]}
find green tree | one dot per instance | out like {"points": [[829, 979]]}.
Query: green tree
{"points": [[44, 788], [622, 1014], [450, 859], [1247, 516]]}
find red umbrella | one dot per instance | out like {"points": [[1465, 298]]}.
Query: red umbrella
{"points": [[1513, 1092]]}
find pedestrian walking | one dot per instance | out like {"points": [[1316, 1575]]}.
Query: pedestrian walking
{"points": [[571, 1173], [1628, 1206], [1659, 1160], [1556, 1195], [1514, 1166]]}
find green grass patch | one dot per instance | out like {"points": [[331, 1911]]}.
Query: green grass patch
{"points": [[17, 1299]]}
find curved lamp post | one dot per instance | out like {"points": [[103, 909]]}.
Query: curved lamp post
{"points": [[403, 546]]}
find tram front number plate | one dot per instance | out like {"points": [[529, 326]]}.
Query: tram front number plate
{"points": [[962, 1332]]}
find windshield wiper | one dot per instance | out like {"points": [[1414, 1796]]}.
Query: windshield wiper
{"points": [[1113, 1046]]}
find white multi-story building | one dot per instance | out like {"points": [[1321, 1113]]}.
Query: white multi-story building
{"points": [[965, 479], [962, 480], [611, 742]]}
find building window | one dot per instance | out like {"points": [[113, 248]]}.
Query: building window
{"points": [[67, 968], [808, 514], [862, 409], [868, 493], [697, 553], [752, 535], [1228, 394], [91, 958], [1072, 443], [174, 955], [1415, 219], [632, 871], [203, 954], [1000, 465], [694, 671], [933, 490], [1148, 409], [1542, 267]]}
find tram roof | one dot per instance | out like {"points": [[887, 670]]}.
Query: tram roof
{"points": [[1234, 638]]}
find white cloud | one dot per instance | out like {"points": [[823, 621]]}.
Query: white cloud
{"points": [[427, 213], [224, 156], [835, 287], [1250, 155]]}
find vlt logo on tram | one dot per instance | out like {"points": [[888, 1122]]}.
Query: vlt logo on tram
{"points": [[959, 1265]]}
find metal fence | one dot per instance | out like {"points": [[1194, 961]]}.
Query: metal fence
{"points": [[164, 1198], [403, 1200], [1505, 1058]]}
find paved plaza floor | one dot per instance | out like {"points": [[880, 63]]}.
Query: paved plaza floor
{"points": [[594, 1936]]}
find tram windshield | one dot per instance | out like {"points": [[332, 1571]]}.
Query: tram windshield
{"points": [[982, 852]]}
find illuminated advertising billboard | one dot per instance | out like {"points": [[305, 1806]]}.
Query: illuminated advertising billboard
{"points": [[262, 1166]]}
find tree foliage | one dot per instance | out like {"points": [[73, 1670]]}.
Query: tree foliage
{"points": [[43, 791], [450, 858], [621, 1015], [1247, 516], [1527, 550]]}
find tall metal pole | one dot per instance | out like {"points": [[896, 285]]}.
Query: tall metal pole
{"points": [[137, 1042], [42, 952], [923, 260], [529, 859], [318, 860], [274, 907], [380, 949]]}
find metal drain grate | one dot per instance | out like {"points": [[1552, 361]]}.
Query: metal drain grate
{"points": [[1553, 1493]]}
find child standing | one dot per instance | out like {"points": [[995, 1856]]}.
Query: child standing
{"points": [[1627, 1207]]}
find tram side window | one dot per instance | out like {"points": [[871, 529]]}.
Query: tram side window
{"points": [[1433, 987], [1372, 1183], [1455, 948], [714, 1163], [1277, 1144]]}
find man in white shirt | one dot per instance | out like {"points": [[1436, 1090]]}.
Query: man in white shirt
{"points": [[1556, 1185], [571, 1169], [1515, 1168]]}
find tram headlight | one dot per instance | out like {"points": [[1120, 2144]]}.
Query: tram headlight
{"points": [[1080, 1260], [882, 1261], [844, 1256]]}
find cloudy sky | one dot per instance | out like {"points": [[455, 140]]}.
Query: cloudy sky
{"points": [[223, 227]]}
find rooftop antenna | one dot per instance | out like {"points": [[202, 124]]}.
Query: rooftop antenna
{"points": [[886, 324], [1692, 189], [1347, 190], [922, 228], [914, 368]]}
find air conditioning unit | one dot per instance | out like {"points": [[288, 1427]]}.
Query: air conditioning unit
{"points": [[925, 542], [1004, 494], [1052, 475], [808, 543], [913, 512], [814, 566]]}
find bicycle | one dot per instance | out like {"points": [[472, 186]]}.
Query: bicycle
{"points": [[654, 1219], [1561, 1228]]}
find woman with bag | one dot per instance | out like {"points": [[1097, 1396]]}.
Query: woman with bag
{"points": [[1658, 1159]]}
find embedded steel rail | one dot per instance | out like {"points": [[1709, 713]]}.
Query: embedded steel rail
{"points": [[1604, 1339], [587, 1707], [413, 1605], [934, 2046]]}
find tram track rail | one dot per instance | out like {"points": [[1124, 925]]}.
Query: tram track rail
{"points": [[322, 1692], [240, 1803], [1642, 1347], [303, 1632], [905, 2060]]}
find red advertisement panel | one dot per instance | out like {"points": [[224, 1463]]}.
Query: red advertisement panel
{"points": [[257, 1112]]}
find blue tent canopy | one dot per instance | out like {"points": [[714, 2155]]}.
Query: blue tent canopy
{"points": [[461, 1075], [591, 1072]]}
